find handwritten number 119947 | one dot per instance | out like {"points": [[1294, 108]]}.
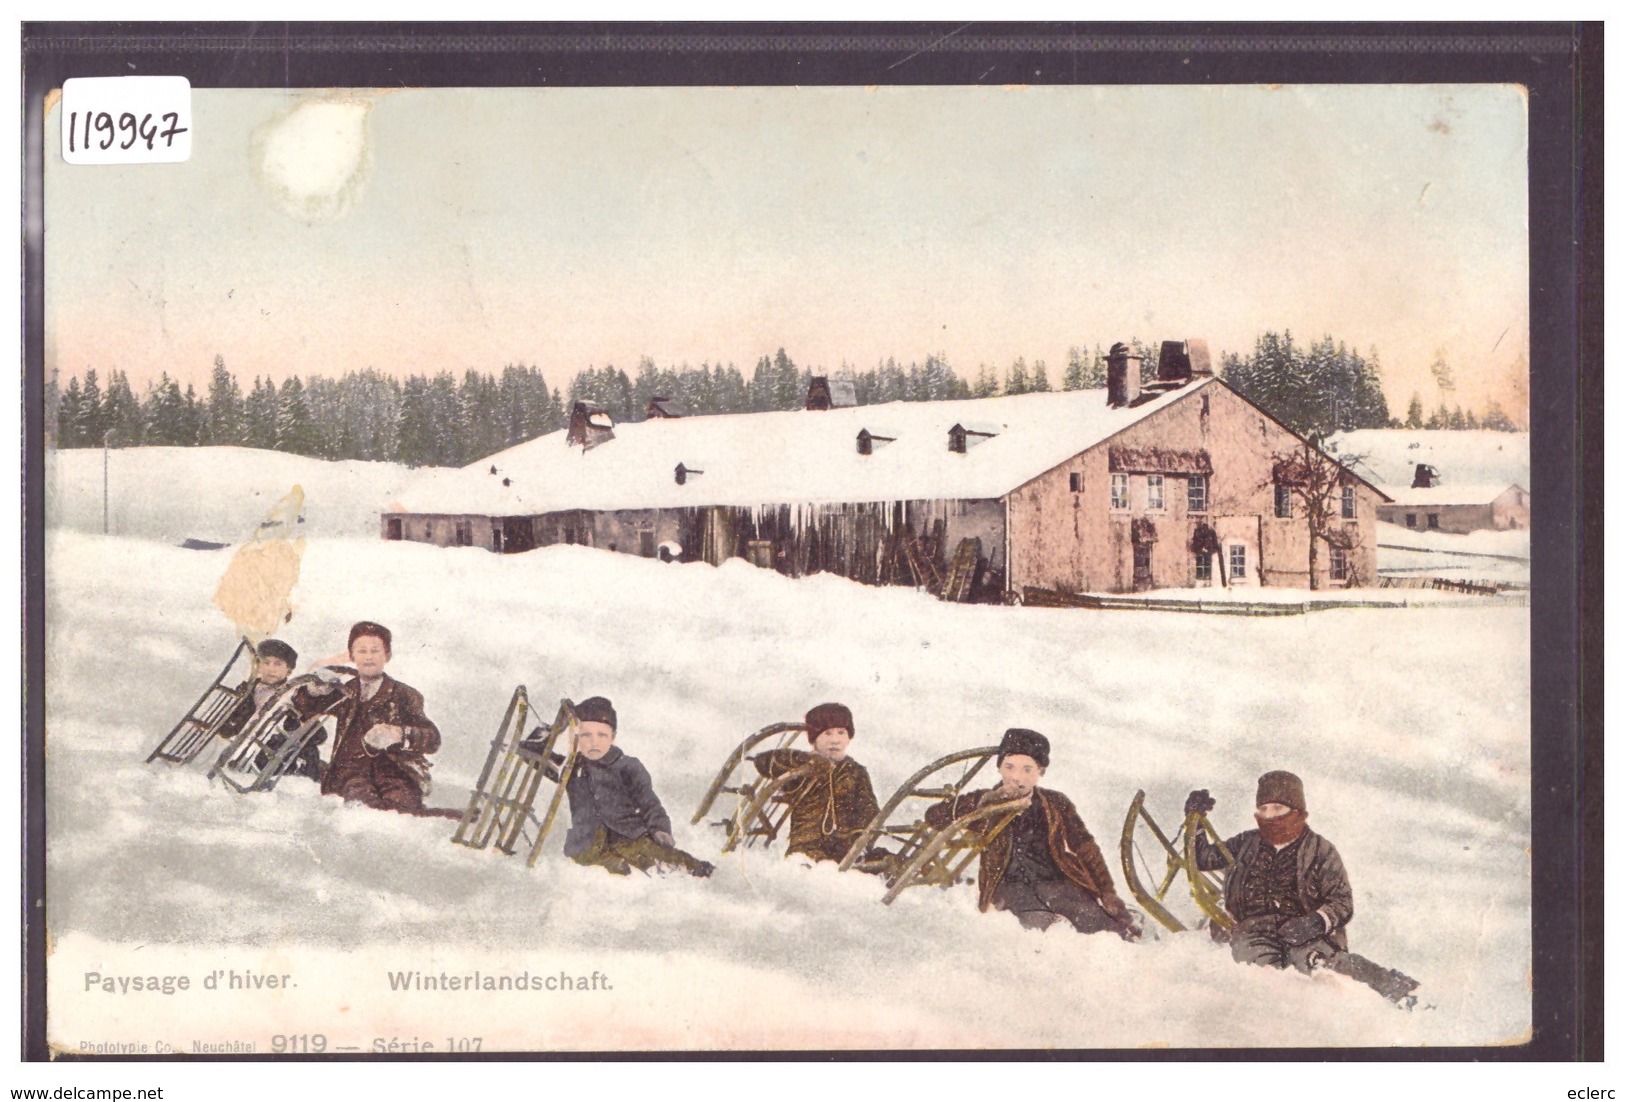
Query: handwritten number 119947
{"points": [[142, 129]]}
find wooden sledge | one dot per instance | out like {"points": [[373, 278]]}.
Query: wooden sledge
{"points": [[938, 858], [272, 741], [759, 813], [501, 811], [900, 824], [1206, 888], [203, 721]]}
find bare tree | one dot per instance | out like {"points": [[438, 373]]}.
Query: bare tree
{"points": [[1314, 482]]}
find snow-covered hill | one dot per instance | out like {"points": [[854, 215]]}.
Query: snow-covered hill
{"points": [[1462, 457], [213, 494], [1410, 728]]}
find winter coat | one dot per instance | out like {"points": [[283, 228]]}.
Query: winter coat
{"points": [[1323, 884], [394, 703], [615, 794], [1071, 846], [833, 804]]}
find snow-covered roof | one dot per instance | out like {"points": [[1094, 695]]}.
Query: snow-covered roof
{"points": [[1480, 493], [797, 456], [1462, 457]]}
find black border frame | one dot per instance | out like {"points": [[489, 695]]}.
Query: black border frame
{"points": [[1560, 64]]}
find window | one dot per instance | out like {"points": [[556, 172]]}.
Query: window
{"points": [[392, 529], [1340, 565], [1283, 501], [1153, 492], [1075, 480], [646, 543], [1119, 491], [1204, 566], [1433, 520], [1348, 503], [1238, 561], [1410, 520], [465, 533], [1196, 491]]}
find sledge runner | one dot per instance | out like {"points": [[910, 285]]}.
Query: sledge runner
{"points": [[1288, 892], [616, 820], [1045, 866], [380, 753], [832, 800]]}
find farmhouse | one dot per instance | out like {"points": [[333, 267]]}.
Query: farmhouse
{"points": [[1181, 484], [1429, 504]]}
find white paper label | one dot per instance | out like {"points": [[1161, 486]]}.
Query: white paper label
{"points": [[126, 120]]}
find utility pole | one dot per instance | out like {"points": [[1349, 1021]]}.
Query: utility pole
{"points": [[107, 442]]}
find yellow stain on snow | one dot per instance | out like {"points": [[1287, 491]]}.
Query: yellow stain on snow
{"points": [[256, 590]]}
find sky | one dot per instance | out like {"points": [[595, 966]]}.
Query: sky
{"points": [[316, 232]]}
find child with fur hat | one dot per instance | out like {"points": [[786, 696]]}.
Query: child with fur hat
{"points": [[616, 820], [830, 806], [1288, 891], [1044, 866]]}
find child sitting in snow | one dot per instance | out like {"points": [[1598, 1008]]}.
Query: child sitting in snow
{"points": [[1288, 891], [830, 807], [616, 820], [1044, 866], [276, 661]]}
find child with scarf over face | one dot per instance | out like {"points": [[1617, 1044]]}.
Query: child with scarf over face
{"points": [[1289, 892]]}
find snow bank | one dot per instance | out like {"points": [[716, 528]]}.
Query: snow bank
{"points": [[1410, 728], [1461, 457], [213, 494]]}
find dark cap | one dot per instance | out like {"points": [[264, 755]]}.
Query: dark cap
{"points": [[1280, 787], [276, 648], [1019, 740], [596, 709]]}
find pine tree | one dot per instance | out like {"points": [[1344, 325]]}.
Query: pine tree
{"points": [[1040, 383], [295, 428], [223, 419], [259, 414], [1016, 382], [1413, 412], [69, 434], [92, 418], [123, 411]]}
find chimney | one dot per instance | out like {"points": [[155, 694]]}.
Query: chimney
{"points": [[1201, 359], [1122, 376], [1426, 477], [590, 425], [1174, 364]]}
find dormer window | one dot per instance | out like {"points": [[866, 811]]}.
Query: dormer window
{"points": [[961, 438], [869, 441], [686, 473]]}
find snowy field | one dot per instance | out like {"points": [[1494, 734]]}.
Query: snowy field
{"points": [[1490, 556], [1410, 728]]}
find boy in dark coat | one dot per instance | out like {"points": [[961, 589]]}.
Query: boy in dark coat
{"points": [[380, 754], [616, 820], [1044, 866], [829, 808], [1288, 892]]}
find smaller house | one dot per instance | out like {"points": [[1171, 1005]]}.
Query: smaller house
{"points": [[1459, 509], [661, 408]]}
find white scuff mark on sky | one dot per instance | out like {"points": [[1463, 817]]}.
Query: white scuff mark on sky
{"points": [[314, 159]]}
